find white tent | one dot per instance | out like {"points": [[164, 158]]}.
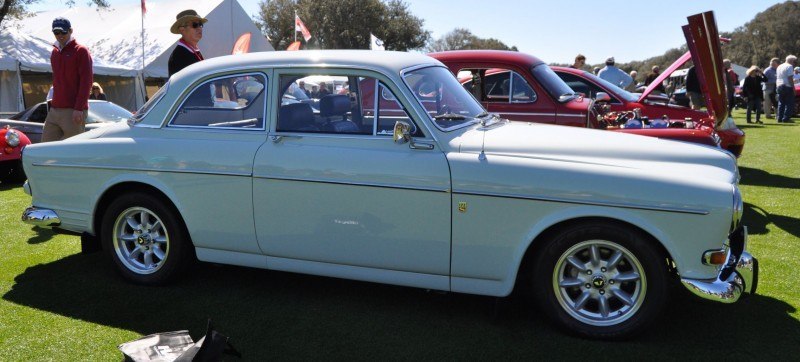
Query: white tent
{"points": [[114, 38], [23, 53], [115, 35]]}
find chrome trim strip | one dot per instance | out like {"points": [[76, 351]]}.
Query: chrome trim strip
{"points": [[44, 218], [141, 169], [579, 115], [526, 113], [322, 181], [583, 202]]}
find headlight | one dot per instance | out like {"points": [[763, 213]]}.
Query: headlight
{"points": [[12, 138]]}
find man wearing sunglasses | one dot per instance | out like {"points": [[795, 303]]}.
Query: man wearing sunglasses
{"points": [[190, 26], [72, 82]]}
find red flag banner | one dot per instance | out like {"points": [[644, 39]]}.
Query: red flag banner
{"points": [[242, 45], [144, 8], [294, 46], [299, 26]]}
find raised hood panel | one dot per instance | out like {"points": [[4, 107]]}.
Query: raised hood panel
{"points": [[702, 39], [611, 150]]}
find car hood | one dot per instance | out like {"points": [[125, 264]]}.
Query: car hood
{"points": [[614, 152], [707, 58]]}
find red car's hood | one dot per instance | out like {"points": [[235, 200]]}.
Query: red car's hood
{"points": [[704, 51]]}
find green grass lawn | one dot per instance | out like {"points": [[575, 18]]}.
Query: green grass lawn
{"points": [[59, 304]]}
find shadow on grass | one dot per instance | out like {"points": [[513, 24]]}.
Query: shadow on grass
{"points": [[756, 177], [42, 235], [279, 314], [5, 186], [757, 220]]}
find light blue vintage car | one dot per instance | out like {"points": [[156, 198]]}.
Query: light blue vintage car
{"points": [[397, 176]]}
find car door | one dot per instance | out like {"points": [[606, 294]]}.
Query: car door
{"points": [[335, 195], [508, 93], [213, 136]]}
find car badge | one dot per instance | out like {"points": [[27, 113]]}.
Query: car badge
{"points": [[462, 206]]}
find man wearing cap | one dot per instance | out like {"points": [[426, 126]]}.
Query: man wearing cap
{"points": [[190, 26], [72, 83], [615, 75]]}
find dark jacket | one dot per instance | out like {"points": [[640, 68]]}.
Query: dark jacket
{"points": [[181, 58], [101, 96], [72, 76], [752, 87], [692, 83]]}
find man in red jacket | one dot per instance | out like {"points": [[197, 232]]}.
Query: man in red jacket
{"points": [[72, 83]]}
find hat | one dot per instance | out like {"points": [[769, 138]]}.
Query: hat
{"points": [[183, 17], [797, 69], [610, 60], [61, 24]]}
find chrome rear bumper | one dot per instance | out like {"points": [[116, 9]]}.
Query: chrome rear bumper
{"points": [[45, 218], [739, 275]]}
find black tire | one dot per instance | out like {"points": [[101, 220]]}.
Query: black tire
{"points": [[12, 172], [159, 233], [597, 307]]}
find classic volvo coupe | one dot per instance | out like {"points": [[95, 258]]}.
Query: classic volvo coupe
{"points": [[422, 189]]}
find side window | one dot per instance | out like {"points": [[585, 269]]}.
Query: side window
{"points": [[342, 104], [521, 90], [228, 102], [39, 114], [580, 85], [497, 85]]}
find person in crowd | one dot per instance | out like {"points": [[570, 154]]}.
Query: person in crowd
{"points": [[731, 80], [323, 90], [655, 71], [796, 75], [784, 85], [596, 70], [72, 82], [769, 87], [632, 87], [314, 92], [97, 92], [614, 75], [304, 89], [580, 62], [190, 26], [754, 93], [693, 89]]}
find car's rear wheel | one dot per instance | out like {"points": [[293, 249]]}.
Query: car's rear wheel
{"points": [[600, 280], [146, 239]]}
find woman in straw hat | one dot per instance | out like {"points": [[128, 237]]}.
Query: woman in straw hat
{"points": [[190, 26], [752, 90]]}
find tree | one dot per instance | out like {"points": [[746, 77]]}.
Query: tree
{"points": [[342, 24], [17, 9], [771, 33], [461, 38]]}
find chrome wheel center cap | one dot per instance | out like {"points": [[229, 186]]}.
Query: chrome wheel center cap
{"points": [[143, 239], [599, 282]]}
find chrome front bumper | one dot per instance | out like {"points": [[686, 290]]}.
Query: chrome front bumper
{"points": [[739, 275], [44, 218]]}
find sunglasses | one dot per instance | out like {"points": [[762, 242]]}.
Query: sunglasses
{"points": [[194, 25], [95, 88], [59, 32]]}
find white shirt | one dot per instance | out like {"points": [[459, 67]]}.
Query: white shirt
{"points": [[785, 75]]}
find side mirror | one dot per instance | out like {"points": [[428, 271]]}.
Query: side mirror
{"points": [[402, 132], [602, 97]]}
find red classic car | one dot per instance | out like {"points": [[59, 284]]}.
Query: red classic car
{"points": [[521, 87], [656, 107], [11, 144]]}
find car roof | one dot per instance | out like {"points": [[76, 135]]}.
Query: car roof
{"points": [[388, 62], [488, 56]]}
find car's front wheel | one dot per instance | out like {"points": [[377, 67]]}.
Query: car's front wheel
{"points": [[600, 280], [146, 239]]}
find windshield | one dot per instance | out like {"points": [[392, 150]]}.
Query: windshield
{"points": [[551, 82], [139, 115], [628, 96], [447, 103], [106, 112]]}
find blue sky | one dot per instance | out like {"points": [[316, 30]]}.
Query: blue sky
{"points": [[557, 30]]}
